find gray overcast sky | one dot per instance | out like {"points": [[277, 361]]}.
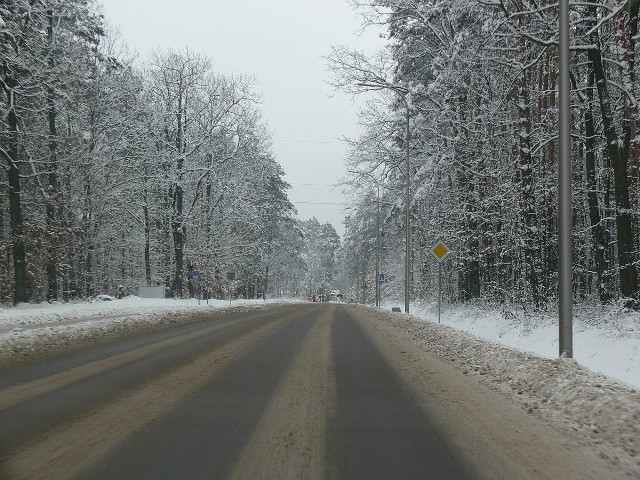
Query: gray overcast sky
{"points": [[282, 44]]}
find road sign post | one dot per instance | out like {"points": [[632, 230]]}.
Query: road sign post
{"points": [[190, 275], [231, 276], [439, 251]]}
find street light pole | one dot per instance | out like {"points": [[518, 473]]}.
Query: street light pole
{"points": [[408, 233], [565, 284], [402, 95], [378, 247]]}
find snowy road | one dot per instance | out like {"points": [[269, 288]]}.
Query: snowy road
{"points": [[296, 391]]}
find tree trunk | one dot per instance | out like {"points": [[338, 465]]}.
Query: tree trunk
{"points": [[619, 159], [527, 198], [147, 243], [178, 240], [15, 211], [599, 232], [52, 193], [178, 226], [628, 40]]}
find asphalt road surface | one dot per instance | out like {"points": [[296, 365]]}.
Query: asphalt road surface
{"points": [[304, 391]]}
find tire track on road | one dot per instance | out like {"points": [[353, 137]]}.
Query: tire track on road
{"points": [[65, 450], [203, 436], [26, 391], [289, 441], [496, 436], [377, 428], [39, 413]]}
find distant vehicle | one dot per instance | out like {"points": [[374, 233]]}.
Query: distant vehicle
{"points": [[335, 296], [104, 297]]}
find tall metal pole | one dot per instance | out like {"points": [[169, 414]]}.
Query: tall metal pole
{"points": [[378, 249], [408, 245], [439, 289], [565, 287]]}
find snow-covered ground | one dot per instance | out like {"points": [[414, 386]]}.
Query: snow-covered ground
{"points": [[595, 396], [30, 329], [605, 340], [45, 315]]}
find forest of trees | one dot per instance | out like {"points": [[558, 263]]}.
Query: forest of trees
{"points": [[477, 82], [118, 174], [121, 172]]}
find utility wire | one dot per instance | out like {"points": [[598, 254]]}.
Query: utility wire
{"points": [[313, 185], [307, 141], [322, 203]]}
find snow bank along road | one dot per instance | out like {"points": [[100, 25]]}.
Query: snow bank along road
{"points": [[295, 391]]}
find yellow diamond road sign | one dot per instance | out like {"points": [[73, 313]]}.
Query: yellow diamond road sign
{"points": [[439, 251]]}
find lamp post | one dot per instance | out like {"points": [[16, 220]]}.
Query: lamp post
{"points": [[408, 233], [565, 290], [402, 92], [378, 246]]}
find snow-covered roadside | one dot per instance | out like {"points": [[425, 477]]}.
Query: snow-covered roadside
{"points": [[28, 330], [605, 339], [517, 356]]}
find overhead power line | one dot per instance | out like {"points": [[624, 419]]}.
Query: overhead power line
{"points": [[307, 141], [314, 185], [322, 203]]}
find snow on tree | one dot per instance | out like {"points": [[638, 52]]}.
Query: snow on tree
{"points": [[479, 82], [121, 175]]}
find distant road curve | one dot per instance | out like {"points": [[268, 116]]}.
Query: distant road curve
{"points": [[308, 391]]}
